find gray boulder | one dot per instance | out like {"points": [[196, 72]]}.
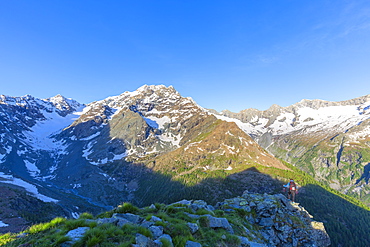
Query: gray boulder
{"points": [[143, 241], [135, 219], [192, 244], [198, 204], [157, 231], [244, 242], [266, 222], [220, 223], [122, 222], [164, 236], [155, 219], [77, 234], [193, 216], [184, 202], [193, 227], [107, 221], [147, 224]]}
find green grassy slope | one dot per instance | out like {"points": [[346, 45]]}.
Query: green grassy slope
{"points": [[346, 219]]}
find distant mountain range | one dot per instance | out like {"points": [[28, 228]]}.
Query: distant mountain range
{"points": [[153, 145], [329, 140]]}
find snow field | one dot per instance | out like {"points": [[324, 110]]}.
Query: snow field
{"points": [[32, 189]]}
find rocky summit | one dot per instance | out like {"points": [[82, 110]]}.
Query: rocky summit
{"points": [[249, 220]]}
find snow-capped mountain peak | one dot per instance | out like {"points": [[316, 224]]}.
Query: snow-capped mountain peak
{"points": [[158, 110], [64, 104], [308, 115]]}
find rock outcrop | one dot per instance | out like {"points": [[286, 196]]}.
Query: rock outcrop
{"points": [[280, 222]]}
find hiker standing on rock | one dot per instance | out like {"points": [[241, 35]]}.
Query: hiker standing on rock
{"points": [[292, 189]]}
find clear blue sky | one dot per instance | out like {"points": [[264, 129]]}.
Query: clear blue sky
{"points": [[224, 54]]}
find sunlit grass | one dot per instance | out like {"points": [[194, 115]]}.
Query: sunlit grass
{"points": [[45, 226], [6, 238]]}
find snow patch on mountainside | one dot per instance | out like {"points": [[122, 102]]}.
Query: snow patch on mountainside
{"points": [[192, 145], [40, 136], [8, 149], [230, 148], [173, 139], [246, 127], [159, 122], [81, 111], [360, 134], [9, 179], [88, 150], [32, 168], [91, 137], [2, 156], [119, 156], [151, 123], [53, 168], [2, 224]]}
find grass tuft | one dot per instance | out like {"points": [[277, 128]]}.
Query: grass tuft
{"points": [[73, 224], [203, 211], [6, 238], [46, 226], [87, 216], [126, 208]]}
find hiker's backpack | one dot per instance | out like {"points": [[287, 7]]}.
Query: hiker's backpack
{"points": [[292, 186]]}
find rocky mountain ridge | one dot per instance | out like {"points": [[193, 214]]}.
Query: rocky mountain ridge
{"points": [[247, 220]]}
